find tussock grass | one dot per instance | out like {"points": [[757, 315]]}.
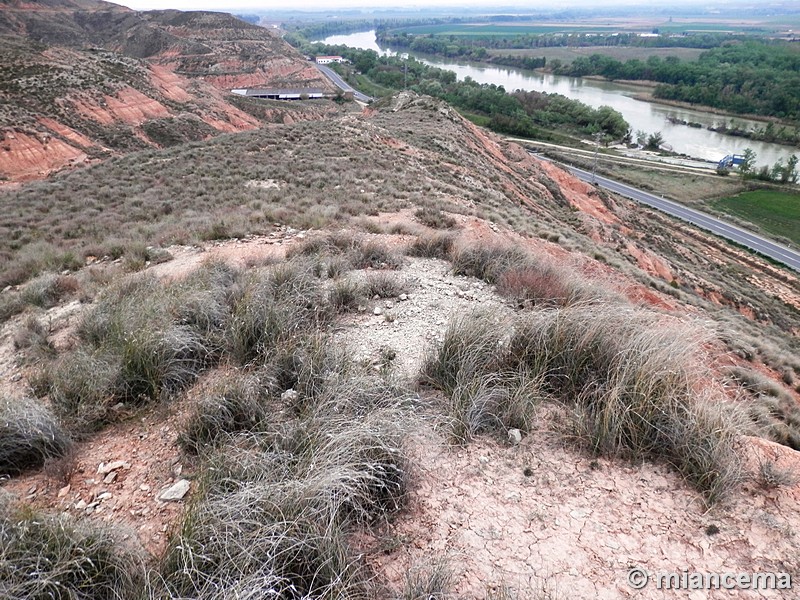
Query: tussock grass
{"points": [[237, 403], [11, 303], [373, 255], [634, 384], [487, 262], [434, 218], [772, 409], [346, 295], [278, 503], [46, 290], [525, 278], [32, 337], [59, 557], [429, 581], [770, 475], [469, 349], [438, 245], [29, 436], [336, 243], [385, 285], [274, 310], [82, 388], [143, 341], [539, 283]]}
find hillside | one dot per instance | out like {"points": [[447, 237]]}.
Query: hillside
{"points": [[384, 355], [84, 81]]}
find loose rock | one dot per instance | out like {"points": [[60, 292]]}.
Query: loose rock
{"points": [[176, 491]]}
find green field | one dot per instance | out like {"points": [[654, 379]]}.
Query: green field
{"points": [[499, 29], [479, 29], [568, 54], [775, 212]]}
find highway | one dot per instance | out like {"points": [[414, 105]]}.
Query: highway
{"points": [[748, 239], [343, 85]]}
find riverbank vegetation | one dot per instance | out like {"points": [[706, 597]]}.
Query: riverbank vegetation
{"points": [[753, 77], [528, 114], [736, 73]]}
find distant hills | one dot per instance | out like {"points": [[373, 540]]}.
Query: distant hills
{"points": [[83, 80]]}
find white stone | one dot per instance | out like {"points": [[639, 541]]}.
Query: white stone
{"points": [[176, 491], [514, 436], [106, 468]]}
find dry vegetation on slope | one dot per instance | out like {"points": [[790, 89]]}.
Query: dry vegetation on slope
{"points": [[310, 387]]}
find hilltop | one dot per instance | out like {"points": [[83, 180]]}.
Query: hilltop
{"points": [[320, 351], [84, 81], [196, 355]]}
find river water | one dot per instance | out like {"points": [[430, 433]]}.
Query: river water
{"points": [[641, 115]]}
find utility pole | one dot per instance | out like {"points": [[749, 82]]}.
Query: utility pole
{"points": [[597, 136], [405, 71]]}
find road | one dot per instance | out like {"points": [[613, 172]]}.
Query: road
{"points": [[748, 239], [343, 85]]}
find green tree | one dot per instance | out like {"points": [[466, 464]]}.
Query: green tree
{"points": [[789, 174], [748, 163], [654, 141]]}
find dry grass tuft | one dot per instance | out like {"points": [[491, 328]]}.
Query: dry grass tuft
{"points": [[29, 436], [633, 382], [58, 557]]}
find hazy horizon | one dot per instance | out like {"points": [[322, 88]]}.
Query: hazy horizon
{"points": [[313, 5]]}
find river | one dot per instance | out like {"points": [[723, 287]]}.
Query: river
{"points": [[641, 115]]}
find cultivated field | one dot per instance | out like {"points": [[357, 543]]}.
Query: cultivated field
{"points": [[774, 211]]}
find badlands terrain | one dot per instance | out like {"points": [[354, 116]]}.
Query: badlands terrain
{"points": [[335, 351]]}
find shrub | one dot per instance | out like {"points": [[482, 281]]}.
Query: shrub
{"points": [[29, 436], [58, 557]]}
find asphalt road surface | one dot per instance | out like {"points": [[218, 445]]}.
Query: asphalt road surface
{"points": [[753, 241], [343, 85]]}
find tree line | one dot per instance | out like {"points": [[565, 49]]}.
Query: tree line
{"points": [[389, 36], [521, 113], [753, 77]]}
